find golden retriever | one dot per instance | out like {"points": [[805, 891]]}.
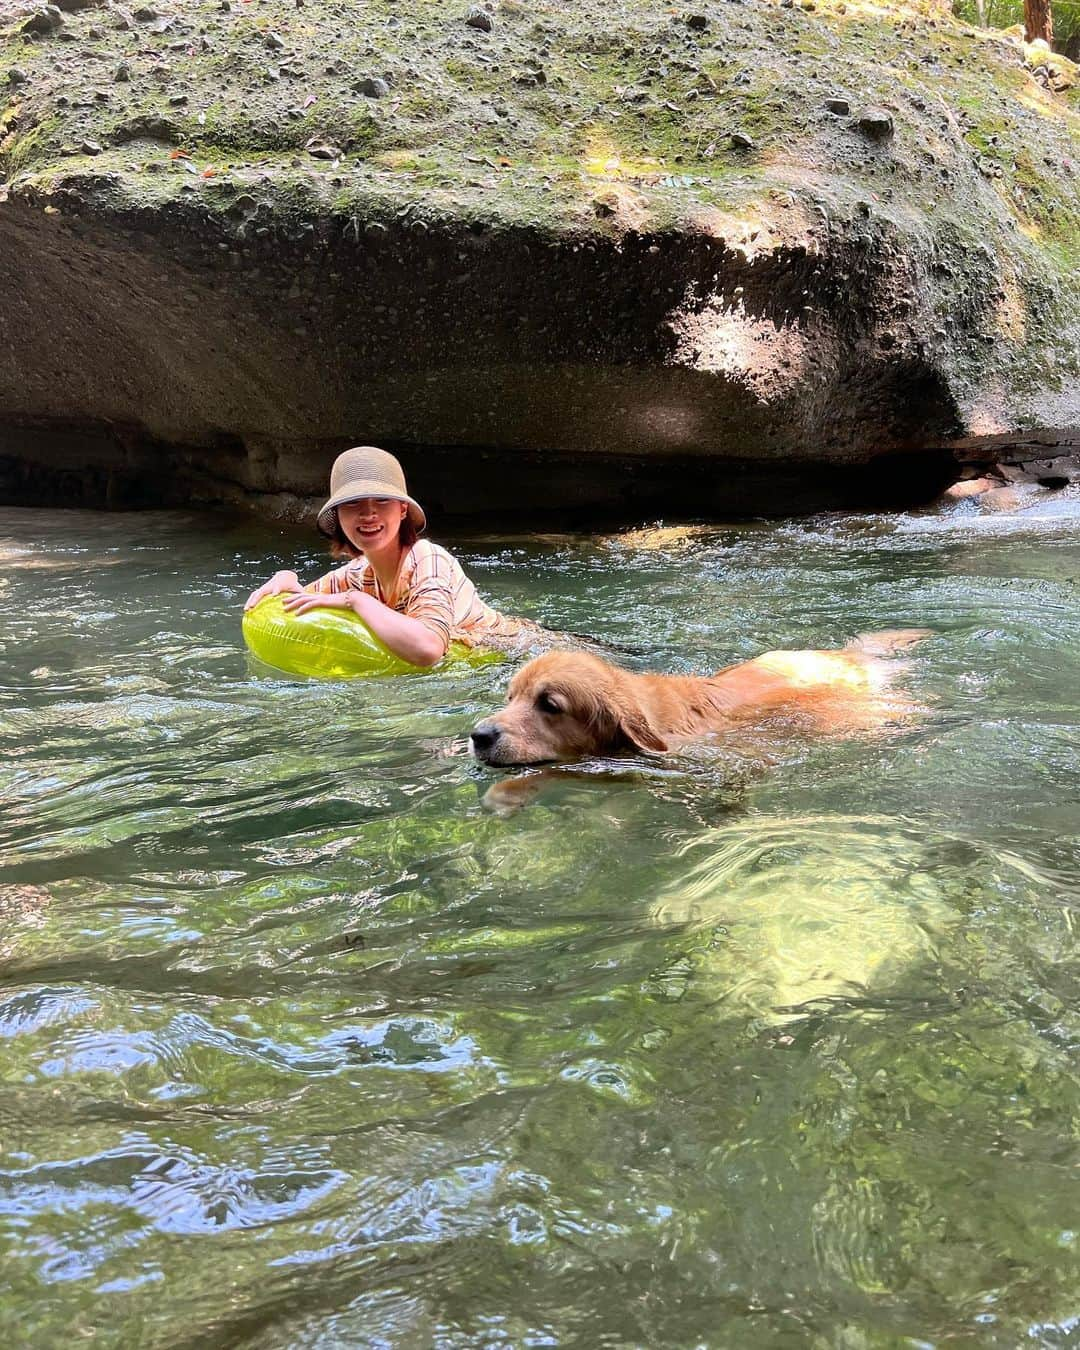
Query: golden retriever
{"points": [[566, 705]]}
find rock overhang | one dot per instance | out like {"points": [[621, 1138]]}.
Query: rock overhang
{"points": [[826, 295]]}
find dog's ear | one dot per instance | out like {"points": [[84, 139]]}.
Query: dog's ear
{"points": [[638, 730]]}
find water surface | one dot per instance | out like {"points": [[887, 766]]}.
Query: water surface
{"points": [[299, 1046]]}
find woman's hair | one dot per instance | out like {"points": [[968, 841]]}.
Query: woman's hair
{"points": [[343, 549]]}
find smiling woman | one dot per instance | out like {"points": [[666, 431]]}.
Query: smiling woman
{"points": [[411, 593]]}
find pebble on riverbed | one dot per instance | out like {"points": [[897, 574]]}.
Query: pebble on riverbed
{"points": [[17, 901]]}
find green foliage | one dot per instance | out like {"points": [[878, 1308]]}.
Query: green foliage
{"points": [[1006, 13]]}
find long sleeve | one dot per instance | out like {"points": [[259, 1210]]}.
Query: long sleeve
{"points": [[431, 597]]}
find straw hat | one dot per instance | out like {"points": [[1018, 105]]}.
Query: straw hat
{"points": [[366, 471]]}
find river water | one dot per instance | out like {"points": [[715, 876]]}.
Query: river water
{"points": [[300, 1046]]}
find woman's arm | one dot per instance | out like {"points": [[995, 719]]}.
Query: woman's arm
{"points": [[408, 638], [288, 583]]}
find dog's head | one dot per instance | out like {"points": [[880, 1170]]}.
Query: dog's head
{"points": [[565, 705]]}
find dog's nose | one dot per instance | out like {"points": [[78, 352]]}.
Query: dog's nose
{"points": [[484, 735]]}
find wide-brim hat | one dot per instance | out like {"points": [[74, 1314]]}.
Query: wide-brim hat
{"points": [[366, 471]]}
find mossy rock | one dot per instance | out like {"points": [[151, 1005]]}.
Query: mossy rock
{"points": [[542, 239]]}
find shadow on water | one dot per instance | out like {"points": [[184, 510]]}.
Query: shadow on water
{"points": [[302, 1046]]}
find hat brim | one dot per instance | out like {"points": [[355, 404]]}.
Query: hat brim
{"points": [[327, 520]]}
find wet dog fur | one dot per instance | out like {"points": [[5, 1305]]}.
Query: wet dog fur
{"points": [[571, 705]]}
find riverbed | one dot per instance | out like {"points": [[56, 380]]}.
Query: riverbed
{"points": [[302, 1046]]}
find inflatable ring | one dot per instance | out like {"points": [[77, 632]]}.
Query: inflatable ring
{"points": [[332, 644]]}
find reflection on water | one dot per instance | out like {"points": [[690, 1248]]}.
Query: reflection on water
{"points": [[300, 1046]]}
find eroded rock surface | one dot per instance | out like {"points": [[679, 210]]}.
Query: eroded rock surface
{"points": [[743, 257]]}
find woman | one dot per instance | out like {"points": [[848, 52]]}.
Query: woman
{"points": [[410, 592]]}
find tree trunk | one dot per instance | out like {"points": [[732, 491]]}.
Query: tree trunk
{"points": [[1038, 21]]}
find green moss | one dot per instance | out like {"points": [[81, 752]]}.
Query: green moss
{"points": [[646, 87], [20, 149]]}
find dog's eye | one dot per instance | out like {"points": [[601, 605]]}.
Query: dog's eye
{"points": [[547, 704]]}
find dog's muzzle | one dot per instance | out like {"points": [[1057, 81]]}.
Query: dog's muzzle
{"points": [[484, 738]]}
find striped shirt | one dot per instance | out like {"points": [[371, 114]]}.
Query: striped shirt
{"points": [[432, 587]]}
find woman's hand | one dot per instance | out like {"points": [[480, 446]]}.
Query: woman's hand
{"points": [[300, 604], [408, 638], [280, 582]]}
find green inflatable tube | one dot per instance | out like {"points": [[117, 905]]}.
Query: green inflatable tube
{"points": [[333, 644]]}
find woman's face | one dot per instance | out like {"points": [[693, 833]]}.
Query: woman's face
{"points": [[372, 523]]}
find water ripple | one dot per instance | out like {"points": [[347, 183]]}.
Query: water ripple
{"points": [[303, 1047]]}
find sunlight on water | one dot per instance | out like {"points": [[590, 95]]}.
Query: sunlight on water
{"points": [[805, 910], [301, 1046]]}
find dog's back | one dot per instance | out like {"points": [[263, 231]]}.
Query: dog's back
{"points": [[840, 690], [569, 704]]}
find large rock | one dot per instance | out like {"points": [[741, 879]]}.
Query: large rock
{"points": [[571, 289]]}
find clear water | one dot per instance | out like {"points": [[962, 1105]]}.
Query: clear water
{"points": [[301, 1047]]}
